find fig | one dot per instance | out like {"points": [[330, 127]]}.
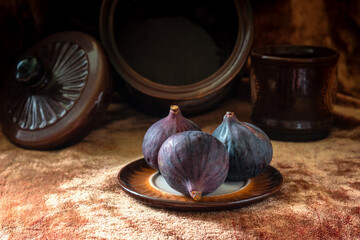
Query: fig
{"points": [[249, 148], [154, 137], [193, 163]]}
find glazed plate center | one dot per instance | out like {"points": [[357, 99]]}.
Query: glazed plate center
{"points": [[157, 181]]}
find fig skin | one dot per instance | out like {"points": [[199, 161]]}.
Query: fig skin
{"points": [[193, 163], [154, 137], [249, 148]]}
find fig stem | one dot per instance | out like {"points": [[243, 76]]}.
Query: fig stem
{"points": [[174, 108], [229, 114], [196, 195]]}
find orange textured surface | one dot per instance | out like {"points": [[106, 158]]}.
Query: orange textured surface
{"points": [[73, 193]]}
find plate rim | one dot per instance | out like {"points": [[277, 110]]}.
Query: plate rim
{"points": [[196, 205]]}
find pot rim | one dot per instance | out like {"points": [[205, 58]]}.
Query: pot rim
{"points": [[209, 85], [273, 53]]}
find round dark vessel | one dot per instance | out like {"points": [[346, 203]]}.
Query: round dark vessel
{"points": [[184, 52], [293, 91], [58, 93]]}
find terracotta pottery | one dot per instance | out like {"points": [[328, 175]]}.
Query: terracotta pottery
{"points": [[293, 91], [184, 52], [60, 90]]}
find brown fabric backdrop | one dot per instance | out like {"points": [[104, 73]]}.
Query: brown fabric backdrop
{"points": [[329, 23]]}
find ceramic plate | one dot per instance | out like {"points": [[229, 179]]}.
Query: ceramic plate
{"points": [[145, 184]]}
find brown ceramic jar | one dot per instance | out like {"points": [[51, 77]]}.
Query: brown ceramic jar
{"points": [[60, 89], [293, 91], [185, 53]]}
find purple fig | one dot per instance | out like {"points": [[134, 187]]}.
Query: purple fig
{"points": [[193, 163], [161, 130], [250, 150]]}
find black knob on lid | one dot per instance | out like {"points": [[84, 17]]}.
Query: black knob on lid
{"points": [[31, 72]]}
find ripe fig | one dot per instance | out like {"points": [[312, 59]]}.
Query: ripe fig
{"points": [[250, 150], [154, 137], [193, 163]]}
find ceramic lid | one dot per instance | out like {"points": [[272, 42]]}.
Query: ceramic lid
{"points": [[59, 90]]}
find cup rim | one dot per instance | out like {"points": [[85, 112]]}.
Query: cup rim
{"points": [[274, 52]]}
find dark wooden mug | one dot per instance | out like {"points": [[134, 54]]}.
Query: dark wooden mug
{"points": [[293, 91]]}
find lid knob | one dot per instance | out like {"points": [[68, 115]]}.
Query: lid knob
{"points": [[30, 71]]}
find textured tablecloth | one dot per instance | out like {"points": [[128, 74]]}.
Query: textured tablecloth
{"points": [[73, 193]]}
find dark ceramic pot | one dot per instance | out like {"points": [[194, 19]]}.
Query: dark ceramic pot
{"points": [[59, 92], [293, 91], [184, 52]]}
